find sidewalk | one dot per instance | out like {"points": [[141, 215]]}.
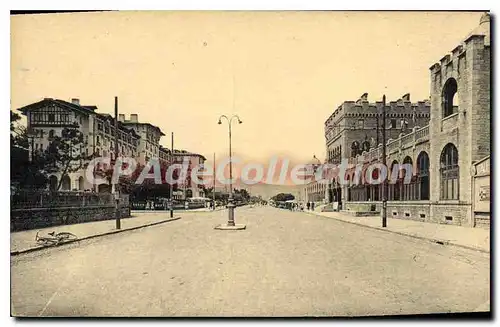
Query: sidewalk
{"points": [[471, 238], [24, 241], [178, 210]]}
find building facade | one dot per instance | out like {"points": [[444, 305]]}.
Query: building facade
{"points": [[450, 178], [356, 127], [149, 143], [48, 118], [188, 188]]}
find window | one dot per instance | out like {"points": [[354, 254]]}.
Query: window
{"points": [[52, 117], [449, 172], [51, 134], [393, 123], [404, 124], [450, 100], [361, 124], [98, 140], [423, 175]]}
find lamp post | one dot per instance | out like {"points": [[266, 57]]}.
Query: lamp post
{"points": [[230, 223], [384, 182], [315, 167], [172, 161]]}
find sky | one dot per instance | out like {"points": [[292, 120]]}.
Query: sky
{"points": [[283, 73]]}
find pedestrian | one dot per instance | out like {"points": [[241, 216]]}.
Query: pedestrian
{"points": [[308, 205], [312, 206]]}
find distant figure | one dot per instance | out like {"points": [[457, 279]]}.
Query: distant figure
{"points": [[308, 205], [312, 206]]}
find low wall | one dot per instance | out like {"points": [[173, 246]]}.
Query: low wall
{"points": [[451, 213], [35, 218], [411, 210]]}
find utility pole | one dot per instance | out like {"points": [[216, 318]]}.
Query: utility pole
{"points": [[384, 164], [172, 182], [378, 130], [116, 190], [213, 190]]}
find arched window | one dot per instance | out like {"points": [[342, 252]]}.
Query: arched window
{"points": [[449, 172], [81, 183], [423, 176], [394, 186], [407, 186], [66, 183], [53, 183], [366, 146], [51, 134], [450, 101], [355, 149]]}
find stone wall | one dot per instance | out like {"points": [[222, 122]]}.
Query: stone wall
{"points": [[452, 213], [410, 210], [25, 219]]}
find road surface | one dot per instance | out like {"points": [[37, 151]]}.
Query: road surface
{"points": [[284, 264]]}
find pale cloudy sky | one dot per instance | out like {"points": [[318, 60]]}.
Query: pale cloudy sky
{"points": [[282, 72]]}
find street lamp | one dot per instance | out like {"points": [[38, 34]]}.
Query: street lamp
{"points": [[384, 164], [230, 223], [315, 166]]}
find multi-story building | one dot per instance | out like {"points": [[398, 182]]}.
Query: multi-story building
{"points": [[149, 142], [451, 155], [188, 188], [356, 127], [48, 118]]}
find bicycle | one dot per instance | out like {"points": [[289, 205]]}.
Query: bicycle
{"points": [[54, 238]]}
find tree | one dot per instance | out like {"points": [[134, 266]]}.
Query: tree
{"points": [[282, 197], [24, 173], [66, 153]]}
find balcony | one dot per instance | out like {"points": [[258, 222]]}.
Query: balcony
{"points": [[422, 134], [449, 123]]}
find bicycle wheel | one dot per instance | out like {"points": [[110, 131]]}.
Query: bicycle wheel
{"points": [[65, 236], [46, 242]]}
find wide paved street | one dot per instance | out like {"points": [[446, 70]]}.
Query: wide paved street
{"points": [[284, 264]]}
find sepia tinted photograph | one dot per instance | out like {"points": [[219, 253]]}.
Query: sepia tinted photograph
{"points": [[250, 164]]}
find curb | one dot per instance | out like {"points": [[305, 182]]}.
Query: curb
{"points": [[14, 253], [437, 241]]}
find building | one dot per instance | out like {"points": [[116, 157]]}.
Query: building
{"points": [[48, 117], [150, 135], [355, 127], [450, 157], [188, 188]]}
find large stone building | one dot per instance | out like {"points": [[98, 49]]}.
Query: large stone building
{"points": [[450, 180], [355, 127]]}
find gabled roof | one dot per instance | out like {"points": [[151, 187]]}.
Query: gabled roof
{"points": [[61, 103]]}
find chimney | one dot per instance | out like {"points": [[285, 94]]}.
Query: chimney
{"points": [[121, 118], [406, 97], [134, 118], [75, 101]]}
